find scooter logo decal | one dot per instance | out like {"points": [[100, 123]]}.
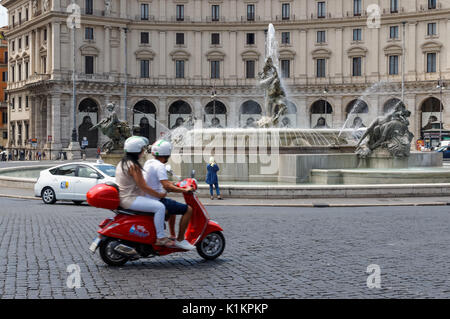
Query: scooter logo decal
{"points": [[139, 231]]}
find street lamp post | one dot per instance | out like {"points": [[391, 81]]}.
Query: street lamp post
{"points": [[74, 88], [403, 62]]}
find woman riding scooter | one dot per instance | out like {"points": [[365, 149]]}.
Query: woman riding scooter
{"points": [[132, 187]]}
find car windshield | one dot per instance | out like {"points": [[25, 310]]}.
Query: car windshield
{"points": [[109, 170], [442, 149]]}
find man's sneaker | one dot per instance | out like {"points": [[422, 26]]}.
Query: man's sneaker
{"points": [[184, 245]]}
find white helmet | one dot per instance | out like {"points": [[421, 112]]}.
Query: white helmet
{"points": [[161, 148], [135, 144]]}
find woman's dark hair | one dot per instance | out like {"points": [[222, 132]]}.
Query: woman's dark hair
{"points": [[130, 157]]}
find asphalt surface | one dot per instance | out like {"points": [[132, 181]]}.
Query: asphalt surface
{"points": [[270, 253]]}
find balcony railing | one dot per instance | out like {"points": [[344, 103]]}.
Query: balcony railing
{"points": [[31, 80]]}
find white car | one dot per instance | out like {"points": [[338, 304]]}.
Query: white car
{"points": [[72, 181]]}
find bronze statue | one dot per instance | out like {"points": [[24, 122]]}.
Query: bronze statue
{"points": [[275, 93], [118, 131], [389, 132]]}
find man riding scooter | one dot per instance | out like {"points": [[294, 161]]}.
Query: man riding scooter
{"points": [[155, 175]]}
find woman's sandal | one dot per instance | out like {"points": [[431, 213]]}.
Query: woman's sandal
{"points": [[169, 243]]}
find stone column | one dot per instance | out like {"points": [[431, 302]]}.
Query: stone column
{"points": [[162, 115], [49, 118], [411, 51], [37, 44], [49, 49], [32, 54], [198, 53], [123, 9], [55, 5], [198, 10], [56, 121], [162, 10], [231, 72], [107, 50], [448, 49], [267, 10], [162, 54], [302, 112], [338, 65], [55, 49]]}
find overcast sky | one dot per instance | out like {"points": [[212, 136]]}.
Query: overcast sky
{"points": [[3, 16]]}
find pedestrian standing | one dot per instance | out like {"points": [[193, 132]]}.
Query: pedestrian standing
{"points": [[212, 179]]}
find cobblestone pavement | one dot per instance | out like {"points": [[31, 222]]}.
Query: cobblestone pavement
{"points": [[270, 253]]}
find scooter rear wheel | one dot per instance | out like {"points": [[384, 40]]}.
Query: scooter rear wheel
{"points": [[108, 254], [211, 246]]}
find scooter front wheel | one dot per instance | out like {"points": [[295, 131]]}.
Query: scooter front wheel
{"points": [[211, 246], [109, 255]]}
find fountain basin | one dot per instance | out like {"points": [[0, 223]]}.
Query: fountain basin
{"points": [[411, 175]]}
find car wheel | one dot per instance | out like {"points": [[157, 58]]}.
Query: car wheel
{"points": [[48, 195]]}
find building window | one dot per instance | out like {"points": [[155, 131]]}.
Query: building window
{"points": [[285, 11], [250, 69], [4, 117], [250, 12], [45, 34], [27, 41], [357, 34], [4, 77], [20, 72], [393, 65], [20, 18], [215, 69], [144, 11], [321, 9], [215, 38], [13, 73], [26, 70], [13, 103], [357, 7], [357, 62], [13, 46], [89, 64], [431, 4], [179, 38], [431, 62], [89, 33], [394, 6], [27, 16], [320, 36], [145, 69], [431, 29], [285, 37], [179, 69], [89, 7], [285, 68], [27, 102], [215, 12], [145, 38], [20, 44], [250, 38], [180, 12], [20, 102], [393, 32], [320, 71]]}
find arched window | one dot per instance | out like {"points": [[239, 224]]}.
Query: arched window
{"points": [[144, 116], [215, 115], [321, 114], [87, 117], [250, 112], [431, 113], [179, 112], [391, 104]]}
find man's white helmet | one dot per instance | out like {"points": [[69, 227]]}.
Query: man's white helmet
{"points": [[161, 148], [135, 144]]}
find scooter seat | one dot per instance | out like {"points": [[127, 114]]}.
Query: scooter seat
{"points": [[133, 212]]}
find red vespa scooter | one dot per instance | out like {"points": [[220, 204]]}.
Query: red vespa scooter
{"points": [[131, 235]]}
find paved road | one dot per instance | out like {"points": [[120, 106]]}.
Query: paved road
{"points": [[270, 253]]}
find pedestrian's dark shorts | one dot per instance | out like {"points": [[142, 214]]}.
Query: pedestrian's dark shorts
{"points": [[174, 207]]}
